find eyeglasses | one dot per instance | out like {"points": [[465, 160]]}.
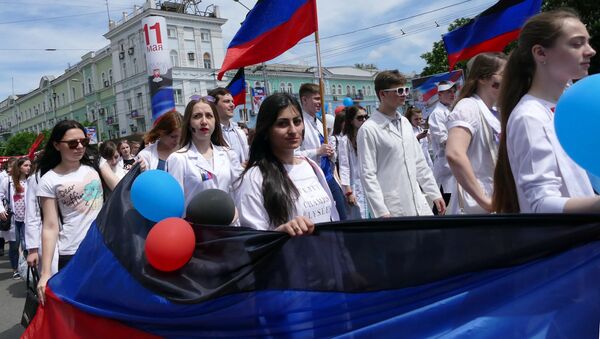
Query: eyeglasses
{"points": [[399, 90], [75, 142], [362, 117], [198, 97]]}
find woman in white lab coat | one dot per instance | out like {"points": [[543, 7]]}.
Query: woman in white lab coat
{"points": [[473, 134], [534, 174], [204, 161], [162, 140], [279, 191]]}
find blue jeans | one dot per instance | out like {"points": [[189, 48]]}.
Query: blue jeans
{"points": [[13, 246], [338, 196], [20, 234]]}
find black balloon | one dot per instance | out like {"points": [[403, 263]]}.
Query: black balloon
{"points": [[211, 207]]}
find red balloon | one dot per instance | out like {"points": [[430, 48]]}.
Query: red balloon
{"points": [[339, 109], [170, 244]]}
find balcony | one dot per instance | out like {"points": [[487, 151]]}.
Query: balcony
{"points": [[111, 121]]}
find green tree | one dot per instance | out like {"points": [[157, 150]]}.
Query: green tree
{"points": [[437, 59], [19, 143]]}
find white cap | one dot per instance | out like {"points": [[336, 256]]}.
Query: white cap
{"points": [[446, 86]]}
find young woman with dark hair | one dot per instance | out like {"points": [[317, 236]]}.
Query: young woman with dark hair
{"points": [[533, 173], [473, 134], [13, 190], [277, 190], [354, 117], [205, 161], [70, 192], [162, 140]]}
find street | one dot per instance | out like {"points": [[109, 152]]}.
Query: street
{"points": [[12, 300]]}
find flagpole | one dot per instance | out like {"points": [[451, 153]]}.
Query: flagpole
{"points": [[321, 87]]}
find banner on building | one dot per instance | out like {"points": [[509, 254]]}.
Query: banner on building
{"points": [[158, 63], [258, 96], [425, 89]]}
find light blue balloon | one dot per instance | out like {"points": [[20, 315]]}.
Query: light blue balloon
{"points": [[319, 114], [157, 195], [580, 103], [348, 102]]}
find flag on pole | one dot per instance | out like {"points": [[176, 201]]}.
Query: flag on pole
{"points": [[271, 28], [34, 146], [494, 276], [237, 87], [490, 31]]}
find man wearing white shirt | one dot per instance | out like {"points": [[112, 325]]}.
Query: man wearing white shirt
{"points": [[396, 178], [313, 145], [439, 134], [235, 137]]}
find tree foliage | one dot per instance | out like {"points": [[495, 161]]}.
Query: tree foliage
{"points": [[20, 143], [589, 10]]}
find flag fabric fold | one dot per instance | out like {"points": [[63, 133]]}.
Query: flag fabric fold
{"points": [[481, 276], [237, 87], [271, 28], [490, 31]]}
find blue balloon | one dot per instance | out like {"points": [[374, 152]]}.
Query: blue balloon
{"points": [[319, 114], [580, 102], [156, 195], [348, 102]]}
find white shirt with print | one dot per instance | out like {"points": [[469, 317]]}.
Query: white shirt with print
{"points": [[79, 197]]}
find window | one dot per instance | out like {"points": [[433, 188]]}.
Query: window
{"points": [[339, 90], [174, 58], [73, 97], [129, 106], [333, 89], [63, 99], [90, 87], [178, 94], [135, 66], [124, 70], [205, 35], [140, 101], [347, 90], [207, 62], [353, 90], [368, 90], [282, 87], [110, 78], [290, 88], [172, 32], [82, 89], [44, 106], [188, 33], [103, 78]]}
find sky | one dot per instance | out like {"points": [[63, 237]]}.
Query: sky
{"points": [[405, 30]]}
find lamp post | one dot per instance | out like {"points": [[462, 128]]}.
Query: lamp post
{"points": [[54, 104]]}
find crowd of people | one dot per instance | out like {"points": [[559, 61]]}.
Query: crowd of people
{"points": [[494, 150]]}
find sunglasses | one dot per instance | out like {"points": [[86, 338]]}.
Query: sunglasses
{"points": [[198, 97], [75, 142], [362, 117], [400, 90]]}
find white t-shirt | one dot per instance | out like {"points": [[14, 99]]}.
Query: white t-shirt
{"points": [[79, 196], [314, 201]]}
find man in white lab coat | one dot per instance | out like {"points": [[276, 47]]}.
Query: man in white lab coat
{"points": [[233, 134], [439, 134], [396, 178]]}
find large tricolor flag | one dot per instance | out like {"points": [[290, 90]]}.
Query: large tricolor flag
{"points": [[517, 276], [237, 87], [271, 28], [490, 31]]}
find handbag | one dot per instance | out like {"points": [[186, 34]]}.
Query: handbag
{"points": [[31, 301], [5, 224]]}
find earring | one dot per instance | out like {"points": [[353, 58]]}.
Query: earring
{"points": [[543, 62]]}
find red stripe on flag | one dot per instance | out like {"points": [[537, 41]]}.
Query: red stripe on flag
{"points": [[57, 319], [496, 44], [274, 42], [240, 99]]}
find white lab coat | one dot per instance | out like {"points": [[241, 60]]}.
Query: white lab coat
{"points": [[350, 175], [468, 113], [544, 174], [393, 168], [439, 135], [251, 201], [313, 128], [195, 174], [424, 142], [150, 155], [7, 193]]}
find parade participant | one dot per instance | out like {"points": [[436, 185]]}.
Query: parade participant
{"points": [[439, 134], [135, 147], [415, 116], [162, 140], [336, 135], [13, 189], [473, 134], [205, 161], [278, 190], [349, 167], [534, 174], [313, 146], [111, 159], [126, 156], [70, 191], [233, 135], [396, 178], [6, 169]]}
